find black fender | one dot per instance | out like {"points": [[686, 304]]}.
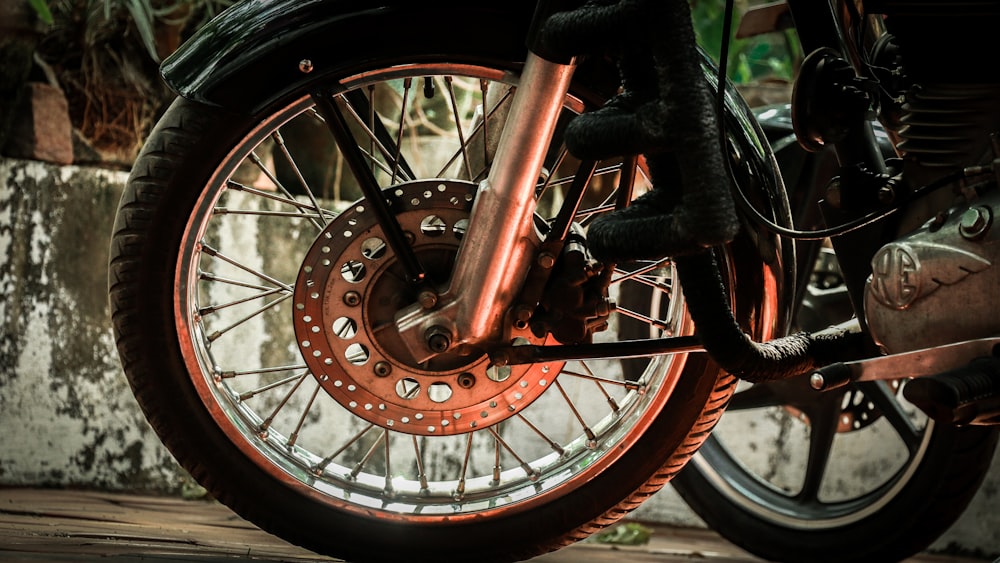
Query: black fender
{"points": [[258, 53]]}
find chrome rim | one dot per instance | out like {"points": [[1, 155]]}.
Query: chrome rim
{"points": [[287, 281]]}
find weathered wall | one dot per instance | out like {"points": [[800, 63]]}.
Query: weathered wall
{"points": [[66, 413], [67, 416]]}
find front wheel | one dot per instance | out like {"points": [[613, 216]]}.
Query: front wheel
{"points": [[253, 294]]}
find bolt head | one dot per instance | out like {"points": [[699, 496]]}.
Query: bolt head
{"points": [[816, 381], [975, 222], [383, 369]]}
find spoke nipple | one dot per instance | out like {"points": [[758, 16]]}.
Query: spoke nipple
{"points": [[817, 382]]}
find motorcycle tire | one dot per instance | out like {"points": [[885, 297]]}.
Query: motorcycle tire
{"points": [[233, 232], [855, 474]]}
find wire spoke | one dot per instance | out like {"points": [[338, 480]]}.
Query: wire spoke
{"points": [[449, 81], [481, 126], [530, 471], [218, 333], [260, 371], [576, 413], [630, 385], [319, 467], [254, 392], [277, 183], [212, 278], [552, 443], [210, 251], [291, 201], [294, 436], [215, 308], [655, 323], [460, 489], [295, 214], [375, 141], [280, 141]]}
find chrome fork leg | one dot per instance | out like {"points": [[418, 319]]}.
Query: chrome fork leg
{"points": [[500, 241]]}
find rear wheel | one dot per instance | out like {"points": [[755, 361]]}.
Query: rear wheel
{"points": [[253, 296], [854, 474]]}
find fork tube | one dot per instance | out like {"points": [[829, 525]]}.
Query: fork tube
{"points": [[500, 241]]}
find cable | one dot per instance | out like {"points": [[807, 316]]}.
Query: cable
{"points": [[741, 199]]}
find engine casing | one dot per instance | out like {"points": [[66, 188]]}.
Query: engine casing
{"points": [[940, 283]]}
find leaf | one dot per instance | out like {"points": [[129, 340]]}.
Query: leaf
{"points": [[142, 14], [41, 8], [630, 533]]}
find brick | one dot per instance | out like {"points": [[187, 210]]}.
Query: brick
{"points": [[41, 128]]}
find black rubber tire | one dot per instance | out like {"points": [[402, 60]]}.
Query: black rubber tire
{"points": [[168, 178], [935, 495]]}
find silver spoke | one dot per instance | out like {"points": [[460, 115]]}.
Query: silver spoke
{"points": [[216, 308], [210, 251], [449, 81], [374, 143], [257, 213], [294, 436], [215, 335], [236, 186], [260, 371], [210, 277], [262, 166], [253, 393]]}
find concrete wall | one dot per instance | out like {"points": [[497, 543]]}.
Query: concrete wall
{"points": [[66, 413]]}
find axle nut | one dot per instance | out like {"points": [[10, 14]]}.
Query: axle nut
{"points": [[438, 339]]}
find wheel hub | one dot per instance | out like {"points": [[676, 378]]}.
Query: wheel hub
{"points": [[347, 293]]}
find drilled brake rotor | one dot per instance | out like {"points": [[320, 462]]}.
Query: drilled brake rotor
{"points": [[350, 287]]}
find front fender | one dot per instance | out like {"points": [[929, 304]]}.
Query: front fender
{"points": [[249, 55]]}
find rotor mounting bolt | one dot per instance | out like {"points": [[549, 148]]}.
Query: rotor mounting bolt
{"points": [[352, 299], [975, 222], [305, 66], [438, 339], [383, 369], [466, 380]]}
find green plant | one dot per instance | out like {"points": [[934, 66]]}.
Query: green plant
{"points": [[41, 8], [769, 56]]}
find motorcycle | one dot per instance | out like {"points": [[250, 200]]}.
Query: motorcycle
{"points": [[392, 283]]}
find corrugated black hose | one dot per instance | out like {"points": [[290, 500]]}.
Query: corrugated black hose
{"points": [[666, 112]]}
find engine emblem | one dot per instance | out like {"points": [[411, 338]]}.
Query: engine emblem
{"points": [[935, 286], [895, 276]]}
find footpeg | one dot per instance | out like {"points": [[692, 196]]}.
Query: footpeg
{"points": [[967, 395]]}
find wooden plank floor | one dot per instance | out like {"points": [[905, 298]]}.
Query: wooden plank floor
{"points": [[63, 526]]}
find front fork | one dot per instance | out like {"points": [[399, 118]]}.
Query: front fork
{"points": [[500, 242]]}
